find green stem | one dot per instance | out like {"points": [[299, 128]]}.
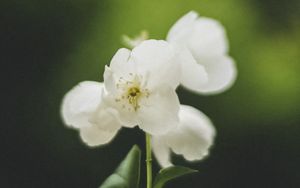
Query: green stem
{"points": [[148, 160]]}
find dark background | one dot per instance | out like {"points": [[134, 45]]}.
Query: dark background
{"points": [[49, 46]]}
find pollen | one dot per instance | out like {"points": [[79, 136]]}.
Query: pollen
{"points": [[133, 96], [132, 92]]}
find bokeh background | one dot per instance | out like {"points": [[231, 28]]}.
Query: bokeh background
{"points": [[50, 46]]}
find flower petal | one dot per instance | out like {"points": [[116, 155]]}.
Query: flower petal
{"points": [[161, 151], [193, 74], [109, 80], [194, 136], [104, 126], [183, 26], [121, 65], [221, 73], [204, 37], [95, 136], [158, 114], [80, 102], [208, 38], [158, 60], [128, 118], [106, 118]]}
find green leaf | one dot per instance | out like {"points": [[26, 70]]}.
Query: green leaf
{"points": [[127, 175], [170, 173]]}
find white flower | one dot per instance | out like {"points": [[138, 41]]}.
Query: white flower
{"points": [[205, 39], [139, 89], [80, 109], [191, 139], [141, 85]]}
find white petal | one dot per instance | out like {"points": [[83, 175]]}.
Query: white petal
{"points": [[194, 136], [158, 60], [128, 118], [104, 126], [221, 73], [193, 74], [207, 39], [161, 151], [121, 64], [204, 37], [182, 26], [80, 102], [109, 80], [95, 136], [192, 139], [158, 114], [106, 117]]}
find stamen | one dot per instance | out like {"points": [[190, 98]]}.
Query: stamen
{"points": [[132, 92]]}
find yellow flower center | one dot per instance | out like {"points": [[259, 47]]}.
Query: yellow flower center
{"points": [[132, 92], [133, 95]]}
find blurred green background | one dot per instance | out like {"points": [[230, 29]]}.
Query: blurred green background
{"points": [[50, 46]]}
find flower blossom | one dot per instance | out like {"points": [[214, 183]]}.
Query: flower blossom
{"points": [[205, 39], [192, 138], [138, 90], [141, 85], [79, 109]]}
